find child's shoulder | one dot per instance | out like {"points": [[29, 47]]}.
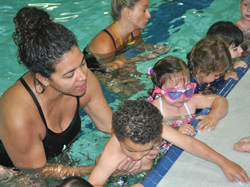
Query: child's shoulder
{"points": [[113, 148], [243, 25]]}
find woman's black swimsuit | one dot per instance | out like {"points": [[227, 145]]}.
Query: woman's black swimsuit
{"points": [[91, 61], [54, 143]]}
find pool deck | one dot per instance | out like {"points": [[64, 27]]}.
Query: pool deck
{"points": [[179, 168]]}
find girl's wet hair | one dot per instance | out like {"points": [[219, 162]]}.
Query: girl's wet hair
{"points": [[228, 31], [118, 5], [41, 42], [169, 68], [210, 54]]}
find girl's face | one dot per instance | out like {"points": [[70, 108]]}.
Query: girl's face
{"points": [[180, 83], [135, 151], [212, 77], [235, 51], [140, 15], [71, 74]]}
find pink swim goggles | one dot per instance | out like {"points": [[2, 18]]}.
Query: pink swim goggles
{"points": [[176, 93]]}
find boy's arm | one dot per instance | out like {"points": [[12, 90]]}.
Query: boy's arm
{"points": [[198, 148], [218, 105]]}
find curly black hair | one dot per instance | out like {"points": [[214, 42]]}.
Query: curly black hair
{"points": [[41, 42], [138, 121]]}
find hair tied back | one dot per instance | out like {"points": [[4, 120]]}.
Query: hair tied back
{"points": [[150, 71]]}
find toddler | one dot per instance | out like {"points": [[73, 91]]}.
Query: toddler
{"points": [[233, 37], [244, 22], [208, 62], [175, 99]]}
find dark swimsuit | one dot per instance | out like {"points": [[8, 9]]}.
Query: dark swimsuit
{"points": [[54, 143], [91, 61], [213, 86]]}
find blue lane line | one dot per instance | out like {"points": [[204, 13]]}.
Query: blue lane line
{"points": [[174, 152]]}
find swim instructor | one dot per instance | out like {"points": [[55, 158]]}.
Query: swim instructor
{"points": [[106, 48], [39, 113]]}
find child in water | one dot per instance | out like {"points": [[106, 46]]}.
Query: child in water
{"points": [[208, 61], [244, 22], [175, 99], [233, 37], [137, 126]]}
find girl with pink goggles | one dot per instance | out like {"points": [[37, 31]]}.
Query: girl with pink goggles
{"points": [[176, 93]]}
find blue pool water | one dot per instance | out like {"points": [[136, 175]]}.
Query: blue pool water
{"points": [[177, 23]]}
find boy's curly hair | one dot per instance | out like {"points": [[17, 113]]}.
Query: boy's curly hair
{"points": [[138, 121]]}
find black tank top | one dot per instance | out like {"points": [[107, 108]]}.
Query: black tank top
{"points": [[92, 62], [54, 143]]}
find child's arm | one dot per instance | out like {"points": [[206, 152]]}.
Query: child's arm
{"points": [[218, 105], [198, 148]]}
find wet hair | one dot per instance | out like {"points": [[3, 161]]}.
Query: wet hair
{"points": [[74, 182], [168, 68], [41, 42], [138, 121], [118, 5], [210, 54], [228, 31]]}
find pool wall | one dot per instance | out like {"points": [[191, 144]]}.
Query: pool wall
{"points": [[174, 152]]}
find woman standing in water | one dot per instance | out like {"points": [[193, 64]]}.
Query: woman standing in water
{"points": [[39, 114], [129, 17]]}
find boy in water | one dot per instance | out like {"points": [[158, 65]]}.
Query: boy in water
{"points": [[137, 127], [244, 22]]}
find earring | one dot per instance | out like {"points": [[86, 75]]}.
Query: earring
{"points": [[128, 18], [46, 85]]}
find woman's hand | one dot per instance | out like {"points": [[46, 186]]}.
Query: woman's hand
{"points": [[161, 49], [127, 166], [148, 56]]}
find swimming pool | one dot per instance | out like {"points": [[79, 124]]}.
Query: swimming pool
{"points": [[177, 23]]}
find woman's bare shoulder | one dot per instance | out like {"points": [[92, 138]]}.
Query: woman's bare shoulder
{"points": [[16, 106], [102, 43]]}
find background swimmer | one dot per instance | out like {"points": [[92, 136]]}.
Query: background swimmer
{"points": [[106, 48]]}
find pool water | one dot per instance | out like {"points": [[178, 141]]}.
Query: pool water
{"points": [[176, 23]]}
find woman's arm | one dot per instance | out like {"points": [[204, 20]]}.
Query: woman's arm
{"points": [[58, 170], [95, 104]]}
